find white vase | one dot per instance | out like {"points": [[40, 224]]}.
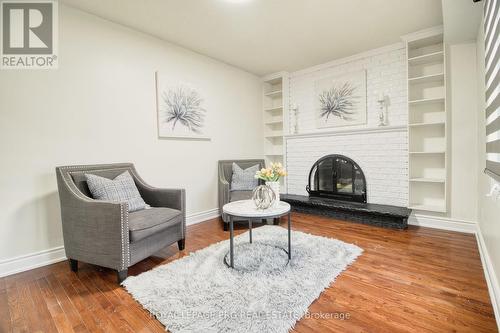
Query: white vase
{"points": [[275, 186]]}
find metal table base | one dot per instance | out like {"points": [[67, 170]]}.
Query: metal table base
{"points": [[231, 236]]}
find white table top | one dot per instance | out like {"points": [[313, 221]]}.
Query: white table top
{"points": [[246, 208]]}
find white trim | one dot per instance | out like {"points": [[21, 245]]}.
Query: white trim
{"points": [[196, 218], [273, 76], [32, 261], [421, 34], [490, 276], [337, 62], [349, 131], [443, 223], [51, 256]]}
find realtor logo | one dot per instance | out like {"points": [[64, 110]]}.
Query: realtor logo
{"points": [[29, 34]]}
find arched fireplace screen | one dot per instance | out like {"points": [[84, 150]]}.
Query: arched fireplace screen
{"points": [[337, 177]]}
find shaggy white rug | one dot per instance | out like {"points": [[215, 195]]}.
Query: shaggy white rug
{"points": [[199, 293]]}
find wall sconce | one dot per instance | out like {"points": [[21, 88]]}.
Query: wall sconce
{"points": [[294, 124], [383, 102]]}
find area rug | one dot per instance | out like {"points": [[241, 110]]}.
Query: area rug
{"points": [[264, 293]]}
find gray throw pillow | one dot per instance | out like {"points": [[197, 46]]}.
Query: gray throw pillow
{"points": [[244, 180], [120, 189]]}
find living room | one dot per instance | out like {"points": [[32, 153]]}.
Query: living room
{"points": [[250, 166]]}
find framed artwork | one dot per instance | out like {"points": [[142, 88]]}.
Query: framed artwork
{"points": [[341, 101], [181, 110]]}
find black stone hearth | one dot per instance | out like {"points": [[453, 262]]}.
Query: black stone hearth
{"points": [[373, 214]]}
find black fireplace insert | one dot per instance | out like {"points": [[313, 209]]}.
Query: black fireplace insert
{"points": [[337, 177]]}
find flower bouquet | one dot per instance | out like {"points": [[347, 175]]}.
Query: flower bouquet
{"points": [[272, 176]]}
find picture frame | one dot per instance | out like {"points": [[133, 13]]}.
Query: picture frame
{"points": [[341, 100], [181, 112]]}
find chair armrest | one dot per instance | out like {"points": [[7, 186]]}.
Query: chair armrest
{"points": [[163, 197], [224, 189], [224, 192], [95, 231]]}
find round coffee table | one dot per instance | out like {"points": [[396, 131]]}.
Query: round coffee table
{"points": [[245, 209]]}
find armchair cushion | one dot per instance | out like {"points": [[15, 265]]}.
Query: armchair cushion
{"points": [[147, 222], [240, 195], [120, 189], [244, 179]]}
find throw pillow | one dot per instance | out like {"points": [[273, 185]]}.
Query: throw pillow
{"points": [[120, 189], [244, 180]]}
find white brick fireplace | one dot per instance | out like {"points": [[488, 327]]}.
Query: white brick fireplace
{"points": [[382, 152]]}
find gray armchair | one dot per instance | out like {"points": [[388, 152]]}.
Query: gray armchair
{"points": [[104, 233], [225, 176]]}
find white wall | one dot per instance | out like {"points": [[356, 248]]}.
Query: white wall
{"points": [[462, 120], [99, 107], [489, 209]]}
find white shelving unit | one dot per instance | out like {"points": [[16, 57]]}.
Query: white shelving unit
{"points": [[427, 118], [275, 88]]}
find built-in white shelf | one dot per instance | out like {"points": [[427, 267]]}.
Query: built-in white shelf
{"points": [[436, 123], [275, 104], [427, 144], [424, 42], [274, 121], [428, 152], [426, 78], [428, 180], [426, 101], [427, 58], [274, 134], [431, 208], [274, 94], [275, 150], [274, 109]]}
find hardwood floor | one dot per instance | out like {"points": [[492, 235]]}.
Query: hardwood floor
{"points": [[417, 280]]}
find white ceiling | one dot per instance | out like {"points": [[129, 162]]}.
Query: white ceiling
{"points": [[461, 20], [266, 36]]}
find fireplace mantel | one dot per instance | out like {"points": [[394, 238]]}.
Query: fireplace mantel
{"points": [[348, 131]]}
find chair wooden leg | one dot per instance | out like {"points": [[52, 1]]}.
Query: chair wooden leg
{"points": [[121, 275], [74, 265], [182, 244]]}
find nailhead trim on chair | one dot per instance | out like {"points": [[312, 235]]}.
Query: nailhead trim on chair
{"points": [[126, 257], [123, 245]]}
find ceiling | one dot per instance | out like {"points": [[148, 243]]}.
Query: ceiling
{"points": [[266, 36], [461, 20]]}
